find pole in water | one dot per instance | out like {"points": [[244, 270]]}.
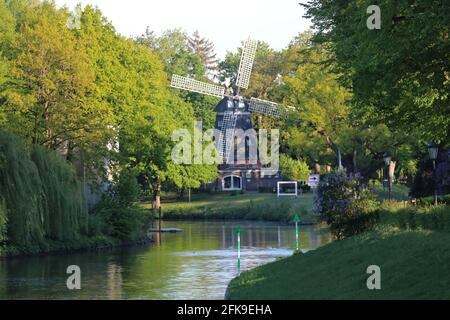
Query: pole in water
{"points": [[238, 233], [296, 220]]}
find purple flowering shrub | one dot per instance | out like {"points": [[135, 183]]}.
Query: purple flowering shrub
{"points": [[346, 205]]}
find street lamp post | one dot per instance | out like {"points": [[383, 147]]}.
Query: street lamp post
{"points": [[433, 150], [387, 160]]}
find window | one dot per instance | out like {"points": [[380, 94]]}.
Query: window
{"points": [[232, 183]]}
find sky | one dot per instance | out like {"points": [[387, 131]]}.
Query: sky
{"points": [[225, 22]]}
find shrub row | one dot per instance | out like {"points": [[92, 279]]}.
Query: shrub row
{"points": [[275, 211], [393, 214]]}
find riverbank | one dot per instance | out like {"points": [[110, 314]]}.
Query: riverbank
{"points": [[82, 245], [410, 245], [236, 206]]}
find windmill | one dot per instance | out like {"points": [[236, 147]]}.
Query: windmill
{"points": [[233, 111]]}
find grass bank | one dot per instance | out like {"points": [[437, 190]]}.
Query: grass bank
{"points": [[410, 245], [248, 206], [414, 265]]}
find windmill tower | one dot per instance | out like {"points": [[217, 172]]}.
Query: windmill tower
{"points": [[235, 112]]}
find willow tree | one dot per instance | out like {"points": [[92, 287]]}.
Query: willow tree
{"points": [[20, 187], [40, 194], [64, 211]]}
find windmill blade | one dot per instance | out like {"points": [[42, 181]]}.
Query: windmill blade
{"points": [[265, 107], [226, 134], [245, 68], [193, 85]]}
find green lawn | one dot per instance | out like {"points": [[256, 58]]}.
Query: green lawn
{"points": [[414, 265], [252, 206]]}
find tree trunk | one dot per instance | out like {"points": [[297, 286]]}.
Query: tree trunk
{"points": [[158, 194], [355, 153], [392, 169], [317, 168], [36, 128], [181, 193]]}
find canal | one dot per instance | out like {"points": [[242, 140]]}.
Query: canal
{"points": [[197, 263]]}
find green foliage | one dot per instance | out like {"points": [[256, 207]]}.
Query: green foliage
{"points": [[265, 70], [398, 74], [3, 225], [123, 223], [444, 200], [21, 191], [265, 207], [346, 205], [190, 176], [41, 194], [63, 207], [49, 83], [296, 170], [117, 215], [425, 217], [313, 130], [125, 192]]}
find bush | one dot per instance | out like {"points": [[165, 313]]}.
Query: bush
{"points": [[394, 214], [346, 205], [126, 191], [444, 200], [266, 190], [305, 188], [117, 215], [127, 224]]}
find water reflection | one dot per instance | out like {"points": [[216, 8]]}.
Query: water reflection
{"points": [[195, 264]]}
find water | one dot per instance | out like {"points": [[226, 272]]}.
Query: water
{"points": [[195, 264]]}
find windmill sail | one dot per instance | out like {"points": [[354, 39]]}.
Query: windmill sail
{"points": [[193, 85], [245, 68], [226, 137], [265, 107]]}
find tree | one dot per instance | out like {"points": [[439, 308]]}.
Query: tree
{"points": [[204, 49], [266, 69], [399, 75], [48, 93], [296, 170], [183, 58], [173, 48], [190, 176], [326, 125], [322, 113]]}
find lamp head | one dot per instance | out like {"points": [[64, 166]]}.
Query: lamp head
{"points": [[433, 150], [387, 158]]}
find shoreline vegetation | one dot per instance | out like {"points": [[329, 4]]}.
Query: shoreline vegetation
{"points": [[239, 206], [43, 209], [89, 245]]}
